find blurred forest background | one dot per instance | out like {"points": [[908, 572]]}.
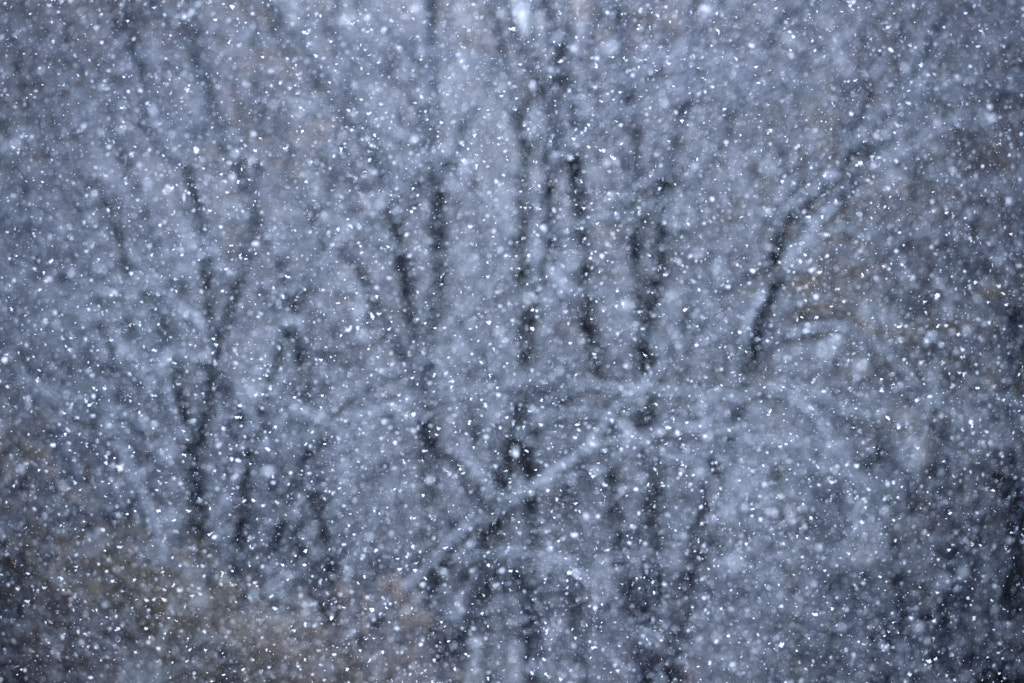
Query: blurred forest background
{"points": [[512, 340]]}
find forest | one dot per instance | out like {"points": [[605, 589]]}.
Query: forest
{"points": [[510, 340]]}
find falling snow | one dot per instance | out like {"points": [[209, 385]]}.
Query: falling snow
{"points": [[511, 340]]}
